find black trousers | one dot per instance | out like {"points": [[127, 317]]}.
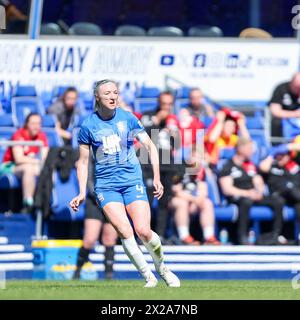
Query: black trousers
{"points": [[244, 206], [291, 197], [166, 174]]}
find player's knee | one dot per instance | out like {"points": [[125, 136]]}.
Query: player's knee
{"points": [[89, 242], [125, 232], [144, 233]]}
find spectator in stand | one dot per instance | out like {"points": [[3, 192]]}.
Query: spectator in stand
{"points": [[23, 161], [155, 125], [65, 109], [191, 197], [198, 106], [284, 104], [243, 186], [223, 133], [282, 175]]}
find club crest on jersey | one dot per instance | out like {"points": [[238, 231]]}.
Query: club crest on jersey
{"points": [[121, 125]]}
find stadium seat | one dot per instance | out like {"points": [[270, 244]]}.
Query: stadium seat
{"points": [[130, 30], [205, 31], [24, 91], [50, 29], [148, 92], [85, 29], [46, 97], [22, 106], [227, 153], [62, 193], [87, 99], [7, 120], [168, 31], [183, 93], [48, 121], [290, 128], [255, 123], [58, 91], [207, 121], [54, 140], [146, 99], [145, 104]]}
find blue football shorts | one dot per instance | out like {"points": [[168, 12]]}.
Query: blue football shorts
{"points": [[125, 195]]}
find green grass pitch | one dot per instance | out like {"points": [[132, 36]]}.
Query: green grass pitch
{"points": [[133, 290]]}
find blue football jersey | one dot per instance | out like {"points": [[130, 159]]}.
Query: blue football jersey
{"points": [[116, 163]]}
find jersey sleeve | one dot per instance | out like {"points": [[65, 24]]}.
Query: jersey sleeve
{"points": [[136, 127], [83, 136]]}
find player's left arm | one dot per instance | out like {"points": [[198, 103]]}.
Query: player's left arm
{"points": [[146, 142]]}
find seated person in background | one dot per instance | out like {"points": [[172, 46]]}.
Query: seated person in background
{"points": [[198, 105], [65, 108], [223, 133], [284, 104], [191, 197], [23, 161], [282, 175], [188, 126], [243, 186]]}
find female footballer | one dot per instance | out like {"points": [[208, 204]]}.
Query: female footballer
{"points": [[119, 187]]}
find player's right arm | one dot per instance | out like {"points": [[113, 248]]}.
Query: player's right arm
{"points": [[82, 175]]}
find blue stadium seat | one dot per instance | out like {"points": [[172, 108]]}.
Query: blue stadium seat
{"points": [[148, 92], [261, 145], [58, 91], [54, 140], [183, 93], [62, 193], [24, 91], [22, 106], [290, 128], [46, 97], [146, 99], [207, 121], [7, 120], [88, 100], [49, 121], [85, 29], [255, 123], [145, 104], [227, 153]]}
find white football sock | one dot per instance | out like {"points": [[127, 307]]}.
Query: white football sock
{"points": [[208, 232], [155, 249], [136, 256], [183, 232]]}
